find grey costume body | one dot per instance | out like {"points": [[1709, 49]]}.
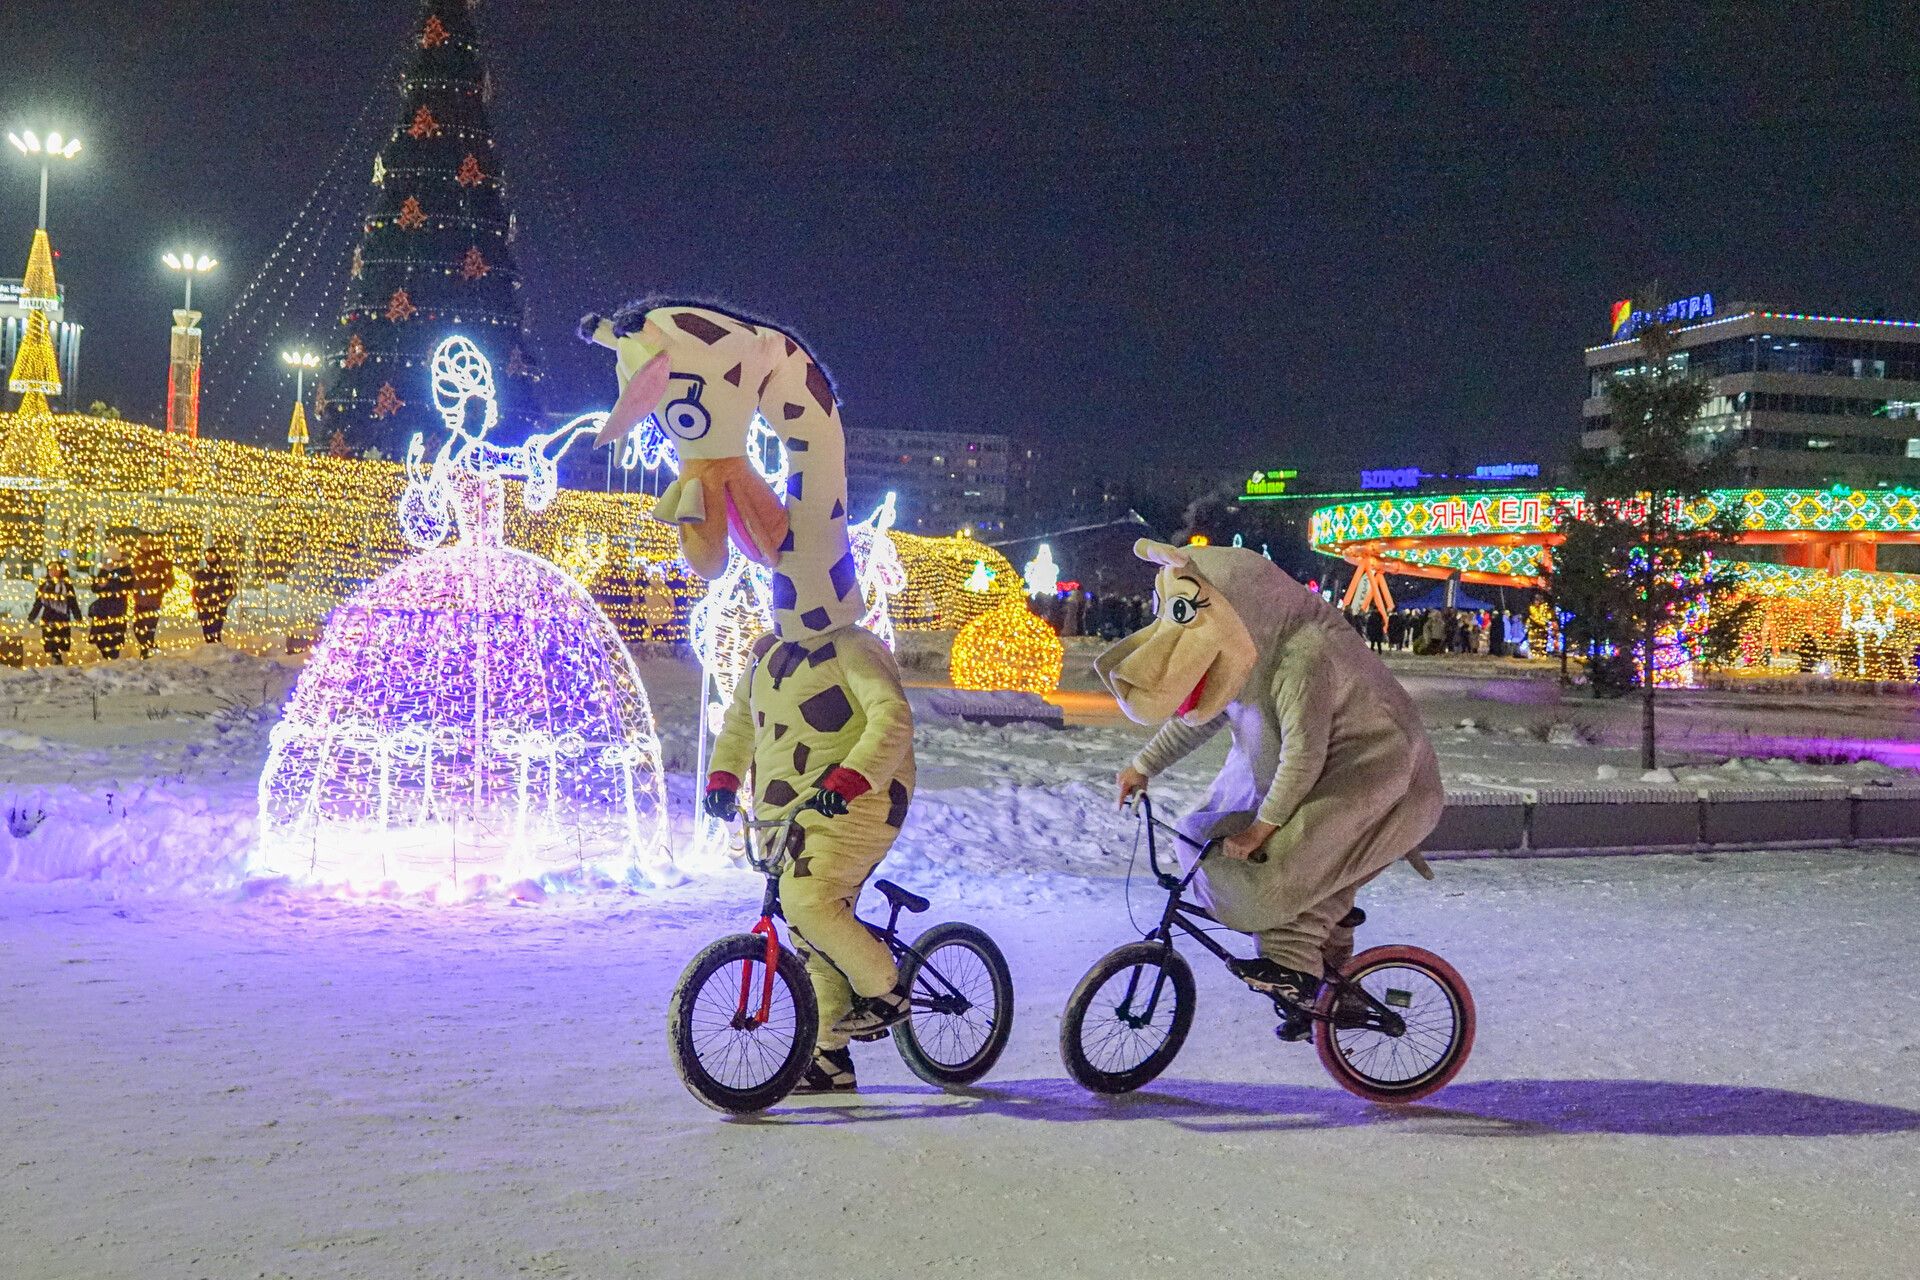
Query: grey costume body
{"points": [[1327, 746]]}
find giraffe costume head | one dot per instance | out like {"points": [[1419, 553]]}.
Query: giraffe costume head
{"points": [[703, 373]]}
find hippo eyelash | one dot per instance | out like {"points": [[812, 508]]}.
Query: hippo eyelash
{"points": [[1194, 605]]}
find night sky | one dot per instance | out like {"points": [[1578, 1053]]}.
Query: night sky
{"points": [[1280, 241]]}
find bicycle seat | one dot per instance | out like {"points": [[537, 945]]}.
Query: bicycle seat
{"points": [[901, 898]]}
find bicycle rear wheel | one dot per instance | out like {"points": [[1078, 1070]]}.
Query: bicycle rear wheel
{"points": [[962, 994], [725, 1055], [1128, 1017], [1433, 1005]]}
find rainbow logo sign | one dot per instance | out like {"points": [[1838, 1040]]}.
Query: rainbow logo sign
{"points": [[1622, 317]]}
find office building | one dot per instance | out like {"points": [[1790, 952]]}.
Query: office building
{"points": [[945, 480], [1799, 401]]}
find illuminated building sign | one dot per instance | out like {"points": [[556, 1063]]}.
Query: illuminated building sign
{"points": [[1507, 471], [1269, 484], [1624, 321], [1392, 478]]}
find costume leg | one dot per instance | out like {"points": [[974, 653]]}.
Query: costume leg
{"points": [[817, 893], [1313, 941], [831, 991]]}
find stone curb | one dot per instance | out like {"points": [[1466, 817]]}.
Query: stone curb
{"points": [[1576, 820]]}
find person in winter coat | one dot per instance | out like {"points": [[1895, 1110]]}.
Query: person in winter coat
{"points": [[55, 606], [107, 615], [1436, 631], [214, 586], [1331, 774], [152, 571], [1376, 631]]}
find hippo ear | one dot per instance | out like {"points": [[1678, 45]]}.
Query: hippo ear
{"points": [[1162, 553]]}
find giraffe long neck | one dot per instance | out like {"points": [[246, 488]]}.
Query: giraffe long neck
{"points": [[815, 587]]}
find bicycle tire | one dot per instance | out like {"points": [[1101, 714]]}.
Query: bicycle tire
{"points": [[1342, 1049], [922, 1038], [1148, 958], [790, 1061]]}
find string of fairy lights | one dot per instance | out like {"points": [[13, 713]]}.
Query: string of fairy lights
{"points": [[303, 531]]}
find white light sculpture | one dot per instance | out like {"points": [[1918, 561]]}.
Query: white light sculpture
{"points": [[1042, 575], [471, 711]]}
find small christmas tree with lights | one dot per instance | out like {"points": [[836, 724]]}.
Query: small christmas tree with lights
{"points": [[435, 254]]}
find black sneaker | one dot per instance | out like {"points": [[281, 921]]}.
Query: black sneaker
{"points": [[830, 1072], [1273, 979], [871, 1015]]}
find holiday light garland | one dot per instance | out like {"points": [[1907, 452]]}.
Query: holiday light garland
{"points": [[1007, 647], [471, 711]]}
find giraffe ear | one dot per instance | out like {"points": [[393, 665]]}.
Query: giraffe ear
{"points": [[640, 397]]}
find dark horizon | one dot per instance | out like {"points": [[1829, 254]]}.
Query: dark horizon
{"points": [[1216, 238]]}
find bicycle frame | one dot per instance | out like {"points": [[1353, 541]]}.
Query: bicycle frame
{"points": [[1180, 914], [772, 866]]}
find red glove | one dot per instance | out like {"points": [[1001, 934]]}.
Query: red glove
{"points": [[845, 782], [721, 780]]}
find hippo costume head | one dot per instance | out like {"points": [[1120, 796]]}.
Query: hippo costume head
{"points": [[1218, 611]]}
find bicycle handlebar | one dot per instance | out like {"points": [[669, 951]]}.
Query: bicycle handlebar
{"points": [[1140, 798]]}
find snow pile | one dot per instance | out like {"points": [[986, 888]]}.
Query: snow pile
{"points": [[149, 834]]}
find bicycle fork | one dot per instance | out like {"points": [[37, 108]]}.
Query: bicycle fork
{"points": [[742, 1020]]}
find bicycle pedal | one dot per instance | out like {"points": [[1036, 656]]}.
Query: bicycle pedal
{"points": [[1294, 1028], [872, 1036]]}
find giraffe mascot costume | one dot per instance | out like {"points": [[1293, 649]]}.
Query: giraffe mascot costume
{"points": [[820, 709]]}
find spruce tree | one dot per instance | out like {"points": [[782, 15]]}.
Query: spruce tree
{"points": [[1642, 567], [435, 254]]}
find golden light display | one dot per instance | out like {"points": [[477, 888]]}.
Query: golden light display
{"points": [[1007, 647], [304, 530]]}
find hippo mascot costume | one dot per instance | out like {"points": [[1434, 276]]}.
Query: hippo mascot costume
{"points": [[820, 714], [1331, 776]]}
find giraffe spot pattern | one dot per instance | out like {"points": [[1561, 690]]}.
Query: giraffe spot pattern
{"points": [[784, 595], [828, 710], [792, 346], [699, 326], [732, 375], [779, 731], [821, 388], [843, 575], [800, 753], [763, 384], [790, 411], [796, 445], [839, 510], [796, 485], [779, 792], [825, 653], [786, 543], [897, 798], [786, 661], [815, 619], [764, 645], [802, 867]]}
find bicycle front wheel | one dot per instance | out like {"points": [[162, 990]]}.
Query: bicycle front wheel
{"points": [[1424, 1047], [962, 994], [727, 1056], [1128, 1017]]}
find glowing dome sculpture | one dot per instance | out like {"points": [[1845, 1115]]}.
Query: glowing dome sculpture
{"points": [[471, 711], [1007, 648]]}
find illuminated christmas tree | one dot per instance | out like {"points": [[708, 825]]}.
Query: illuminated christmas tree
{"points": [[435, 253]]}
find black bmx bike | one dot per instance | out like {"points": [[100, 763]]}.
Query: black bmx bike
{"points": [[743, 1020], [1395, 1024]]}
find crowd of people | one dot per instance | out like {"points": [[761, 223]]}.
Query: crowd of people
{"points": [[1079, 612], [1431, 631], [128, 589]]}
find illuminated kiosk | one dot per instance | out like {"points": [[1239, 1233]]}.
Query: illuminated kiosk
{"points": [[471, 712]]}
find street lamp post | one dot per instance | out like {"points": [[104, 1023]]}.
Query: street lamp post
{"points": [[52, 147], [183, 366], [299, 362]]}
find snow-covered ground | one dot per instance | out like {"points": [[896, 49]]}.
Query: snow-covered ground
{"points": [[1688, 1066]]}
